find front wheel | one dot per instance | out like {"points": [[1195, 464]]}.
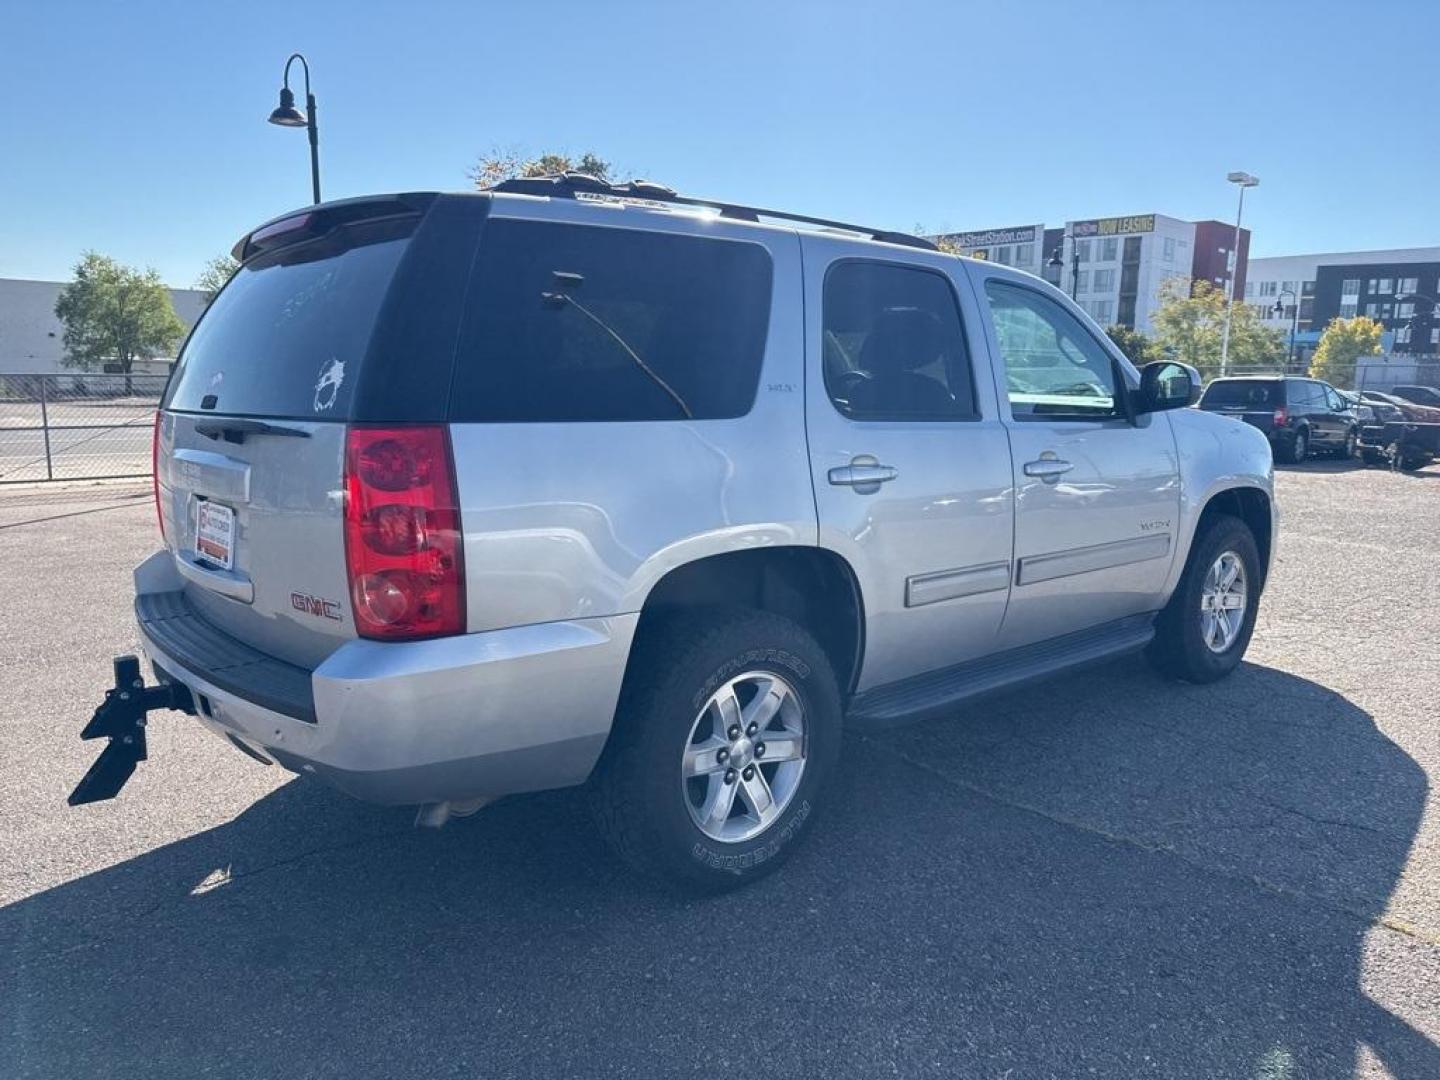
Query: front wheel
{"points": [[727, 729], [1203, 632]]}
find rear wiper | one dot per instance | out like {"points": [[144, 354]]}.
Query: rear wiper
{"points": [[234, 431]]}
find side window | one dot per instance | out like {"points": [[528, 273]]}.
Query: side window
{"points": [[1333, 400], [892, 344], [586, 323], [1054, 369]]}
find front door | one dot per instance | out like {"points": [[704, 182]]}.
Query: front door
{"points": [[908, 455], [1097, 492]]}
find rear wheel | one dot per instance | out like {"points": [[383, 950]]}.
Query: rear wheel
{"points": [[1204, 630], [1296, 450], [727, 729]]}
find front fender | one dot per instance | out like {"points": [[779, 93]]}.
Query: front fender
{"points": [[1217, 454]]}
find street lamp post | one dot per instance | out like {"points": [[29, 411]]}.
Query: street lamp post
{"points": [[1244, 180], [289, 116], [1057, 259], [1294, 323]]}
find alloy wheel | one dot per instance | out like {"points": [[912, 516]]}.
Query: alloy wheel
{"points": [[745, 756], [1223, 599]]}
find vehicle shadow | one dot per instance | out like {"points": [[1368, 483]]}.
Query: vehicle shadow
{"points": [[1048, 885]]}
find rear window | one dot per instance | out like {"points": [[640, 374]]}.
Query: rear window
{"points": [[585, 323], [1246, 393], [287, 336]]}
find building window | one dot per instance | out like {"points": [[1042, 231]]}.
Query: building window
{"points": [[1269, 288], [1404, 310], [1167, 249], [1104, 280], [1104, 312], [1082, 281], [1249, 290], [1307, 288], [1083, 247], [1348, 311], [1001, 255], [1109, 249], [1372, 310], [1402, 336], [1289, 287], [1024, 254], [1408, 284], [1385, 286], [1350, 287], [1435, 335]]}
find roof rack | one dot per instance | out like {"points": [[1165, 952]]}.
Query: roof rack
{"points": [[573, 185]]}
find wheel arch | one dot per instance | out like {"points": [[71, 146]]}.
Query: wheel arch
{"points": [[812, 586], [1252, 506]]}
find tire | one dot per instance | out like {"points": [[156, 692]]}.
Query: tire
{"points": [[1374, 457], [650, 814], [1180, 648], [1352, 445], [1296, 449]]}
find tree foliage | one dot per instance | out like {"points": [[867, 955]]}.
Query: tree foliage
{"points": [[1341, 345], [115, 314], [501, 165], [1189, 327], [1135, 345], [217, 272]]}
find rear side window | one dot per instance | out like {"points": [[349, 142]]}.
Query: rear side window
{"points": [[892, 344], [1242, 393], [287, 336], [585, 323]]}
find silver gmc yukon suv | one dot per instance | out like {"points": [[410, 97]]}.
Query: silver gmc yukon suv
{"points": [[568, 483]]}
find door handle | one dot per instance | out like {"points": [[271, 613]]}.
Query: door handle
{"points": [[1048, 469], [862, 475]]}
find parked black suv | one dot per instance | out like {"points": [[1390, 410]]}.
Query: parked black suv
{"points": [[1299, 416]]}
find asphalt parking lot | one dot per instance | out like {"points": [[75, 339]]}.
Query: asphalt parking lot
{"points": [[1105, 876]]}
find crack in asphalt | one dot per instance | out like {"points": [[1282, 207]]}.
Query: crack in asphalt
{"points": [[1298, 897]]}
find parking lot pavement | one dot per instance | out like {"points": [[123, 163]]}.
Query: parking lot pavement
{"points": [[1104, 876]]}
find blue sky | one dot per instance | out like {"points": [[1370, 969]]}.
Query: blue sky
{"points": [[137, 129]]}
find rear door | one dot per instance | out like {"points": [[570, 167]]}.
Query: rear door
{"points": [[252, 433], [910, 463]]}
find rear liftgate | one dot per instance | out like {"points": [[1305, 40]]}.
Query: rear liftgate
{"points": [[121, 719]]}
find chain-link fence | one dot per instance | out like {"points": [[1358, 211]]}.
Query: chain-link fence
{"points": [[76, 427]]}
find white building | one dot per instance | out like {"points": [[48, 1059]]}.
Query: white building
{"points": [[1284, 278], [32, 338]]}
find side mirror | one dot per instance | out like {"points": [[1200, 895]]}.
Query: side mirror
{"points": [[1166, 384]]}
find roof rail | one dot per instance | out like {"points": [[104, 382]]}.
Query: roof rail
{"points": [[571, 185]]}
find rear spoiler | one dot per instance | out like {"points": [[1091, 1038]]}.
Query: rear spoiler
{"points": [[315, 221]]}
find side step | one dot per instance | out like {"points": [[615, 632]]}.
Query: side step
{"points": [[937, 692]]}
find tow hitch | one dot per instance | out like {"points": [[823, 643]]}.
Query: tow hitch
{"points": [[121, 719]]}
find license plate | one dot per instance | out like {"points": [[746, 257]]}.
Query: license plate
{"points": [[215, 534]]}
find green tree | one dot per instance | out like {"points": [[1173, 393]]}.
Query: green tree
{"points": [[1132, 343], [217, 272], [115, 314], [500, 165], [1344, 342], [1189, 326]]}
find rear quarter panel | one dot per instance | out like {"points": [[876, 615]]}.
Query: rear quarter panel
{"points": [[573, 520]]}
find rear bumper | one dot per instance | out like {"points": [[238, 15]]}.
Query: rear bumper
{"points": [[473, 716]]}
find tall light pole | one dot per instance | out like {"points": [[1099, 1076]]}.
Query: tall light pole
{"points": [[1295, 322], [289, 116], [1244, 180]]}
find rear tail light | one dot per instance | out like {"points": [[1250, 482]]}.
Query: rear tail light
{"points": [[403, 544], [155, 473], [1282, 416]]}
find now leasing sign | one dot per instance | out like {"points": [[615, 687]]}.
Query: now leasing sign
{"points": [[1113, 226]]}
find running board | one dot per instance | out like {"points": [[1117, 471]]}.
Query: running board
{"points": [[939, 691]]}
